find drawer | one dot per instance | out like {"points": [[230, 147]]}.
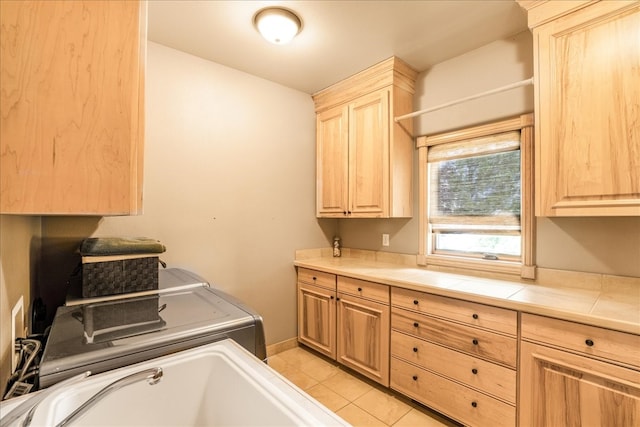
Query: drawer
{"points": [[318, 278], [485, 376], [588, 340], [477, 342], [455, 400], [474, 314], [370, 290]]}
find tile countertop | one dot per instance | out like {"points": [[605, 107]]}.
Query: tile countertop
{"points": [[607, 301]]}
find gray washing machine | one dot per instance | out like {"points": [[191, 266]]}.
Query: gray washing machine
{"points": [[108, 333]]}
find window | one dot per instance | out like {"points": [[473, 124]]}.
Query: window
{"points": [[476, 198]]}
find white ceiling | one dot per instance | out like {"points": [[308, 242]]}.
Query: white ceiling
{"points": [[339, 38]]}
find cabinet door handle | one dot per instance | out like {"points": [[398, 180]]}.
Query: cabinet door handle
{"points": [[474, 371], [331, 297], [475, 316], [415, 378], [344, 213], [415, 324], [337, 299], [589, 342], [475, 341], [474, 404]]}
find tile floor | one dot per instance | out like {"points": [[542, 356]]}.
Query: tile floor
{"points": [[357, 400]]}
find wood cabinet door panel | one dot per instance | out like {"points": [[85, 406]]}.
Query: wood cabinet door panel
{"points": [[560, 388], [332, 157], [316, 319], [369, 155], [72, 107], [363, 338], [588, 149]]}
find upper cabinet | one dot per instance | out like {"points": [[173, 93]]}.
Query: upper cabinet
{"points": [[587, 92], [364, 158], [72, 107]]}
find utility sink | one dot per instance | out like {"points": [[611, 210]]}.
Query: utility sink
{"points": [[219, 384]]}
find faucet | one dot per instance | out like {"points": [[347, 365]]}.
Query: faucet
{"points": [[153, 376]]}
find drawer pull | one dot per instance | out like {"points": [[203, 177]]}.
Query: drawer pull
{"points": [[359, 289], [589, 343], [474, 371], [474, 404], [415, 324], [475, 316], [475, 342], [415, 378], [415, 349], [314, 278], [415, 302]]}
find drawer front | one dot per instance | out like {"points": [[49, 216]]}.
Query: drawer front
{"points": [[317, 278], [477, 342], [476, 373], [457, 401], [588, 340], [361, 288], [480, 315]]}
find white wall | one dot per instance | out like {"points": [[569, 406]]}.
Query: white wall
{"points": [[229, 183]]}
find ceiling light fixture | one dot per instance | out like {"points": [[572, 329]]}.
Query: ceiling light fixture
{"points": [[277, 25]]}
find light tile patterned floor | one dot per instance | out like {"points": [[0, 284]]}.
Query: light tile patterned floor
{"points": [[357, 400]]}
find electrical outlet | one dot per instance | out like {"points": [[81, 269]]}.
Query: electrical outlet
{"points": [[17, 329], [385, 240]]}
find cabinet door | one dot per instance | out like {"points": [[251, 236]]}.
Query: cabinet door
{"points": [[317, 319], [363, 337], [369, 155], [588, 120], [332, 145], [71, 122], [558, 388]]}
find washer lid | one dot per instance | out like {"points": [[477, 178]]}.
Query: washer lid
{"points": [[89, 333]]}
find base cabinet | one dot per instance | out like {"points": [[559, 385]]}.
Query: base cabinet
{"points": [[577, 375], [347, 320], [563, 389], [363, 338], [317, 311]]}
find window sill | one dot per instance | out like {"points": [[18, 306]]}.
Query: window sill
{"points": [[500, 267]]}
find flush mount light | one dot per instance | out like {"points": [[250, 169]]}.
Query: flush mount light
{"points": [[277, 25]]}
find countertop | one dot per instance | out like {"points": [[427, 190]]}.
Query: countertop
{"points": [[611, 302]]}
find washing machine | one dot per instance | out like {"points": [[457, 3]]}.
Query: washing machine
{"points": [[105, 333]]}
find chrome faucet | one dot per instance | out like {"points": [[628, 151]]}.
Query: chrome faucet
{"points": [[153, 376]]}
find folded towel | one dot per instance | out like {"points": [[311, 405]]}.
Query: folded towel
{"points": [[101, 246]]}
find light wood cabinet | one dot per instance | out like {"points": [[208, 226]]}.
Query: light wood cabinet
{"points": [[587, 135], [455, 356], [363, 328], [71, 107], [562, 382], [347, 320], [364, 158], [317, 311]]}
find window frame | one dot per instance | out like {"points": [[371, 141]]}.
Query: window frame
{"points": [[525, 265]]}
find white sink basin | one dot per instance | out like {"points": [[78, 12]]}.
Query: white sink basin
{"points": [[219, 384]]}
